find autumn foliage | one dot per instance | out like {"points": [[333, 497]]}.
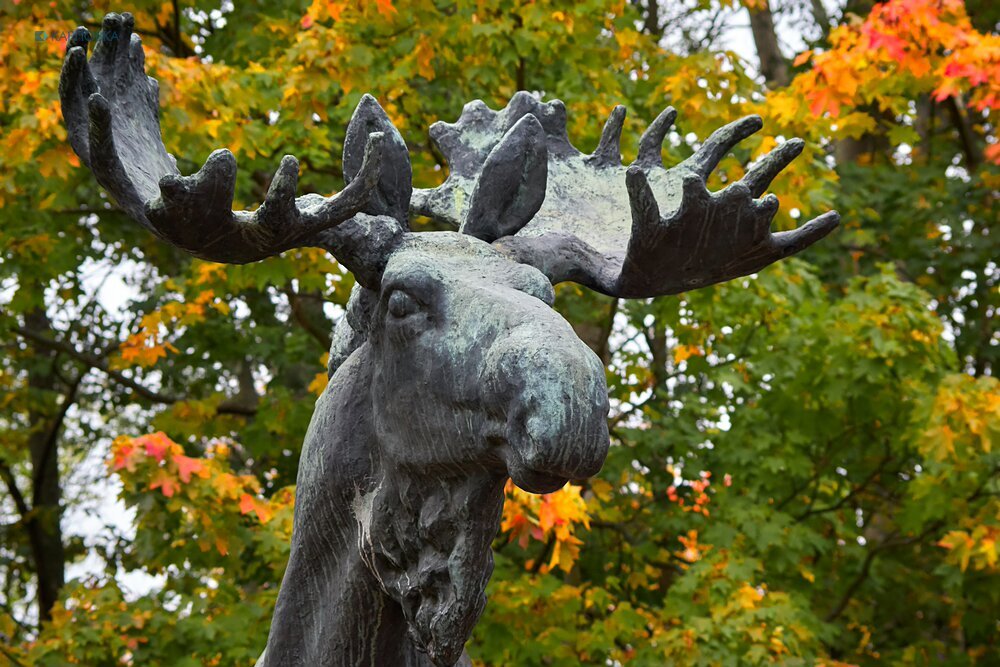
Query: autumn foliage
{"points": [[900, 47], [804, 463]]}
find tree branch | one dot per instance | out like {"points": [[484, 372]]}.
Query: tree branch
{"points": [[866, 567], [852, 494], [52, 437], [101, 364], [307, 317], [15, 493]]}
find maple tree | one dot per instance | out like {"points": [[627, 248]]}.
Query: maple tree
{"points": [[805, 463]]}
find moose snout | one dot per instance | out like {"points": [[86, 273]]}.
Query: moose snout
{"points": [[556, 399]]}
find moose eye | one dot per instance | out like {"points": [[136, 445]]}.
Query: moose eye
{"points": [[402, 304]]}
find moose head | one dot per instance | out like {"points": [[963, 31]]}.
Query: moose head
{"points": [[450, 371]]}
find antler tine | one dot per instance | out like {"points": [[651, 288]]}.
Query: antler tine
{"points": [[788, 243], [719, 143], [395, 180], [651, 141], [761, 175], [76, 85], [608, 151]]}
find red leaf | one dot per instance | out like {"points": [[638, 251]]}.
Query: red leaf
{"points": [[123, 457], [187, 465], [157, 444]]}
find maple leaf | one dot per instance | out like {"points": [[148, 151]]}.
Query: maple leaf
{"points": [[122, 451], [156, 444], [823, 100], [319, 382], [247, 504], [187, 465], [748, 596], [992, 153], [802, 58], [424, 54], [264, 511], [893, 44], [685, 352], [222, 544], [164, 481], [259, 507]]}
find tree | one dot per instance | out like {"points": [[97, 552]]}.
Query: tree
{"points": [[804, 464]]}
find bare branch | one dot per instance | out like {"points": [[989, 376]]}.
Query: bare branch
{"points": [[101, 364]]}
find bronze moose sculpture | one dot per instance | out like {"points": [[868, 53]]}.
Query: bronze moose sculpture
{"points": [[450, 371]]}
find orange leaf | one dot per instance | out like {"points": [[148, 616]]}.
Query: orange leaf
{"points": [[685, 352], [260, 507], [264, 511], [246, 504], [122, 457], [992, 153]]}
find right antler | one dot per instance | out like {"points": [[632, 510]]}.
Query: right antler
{"points": [[111, 112], [631, 232]]}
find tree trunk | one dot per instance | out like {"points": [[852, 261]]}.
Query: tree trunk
{"points": [[43, 522], [594, 331], [651, 22], [967, 137], [821, 17], [773, 65]]}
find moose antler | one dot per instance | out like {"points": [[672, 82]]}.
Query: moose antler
{"points": [[112, 117], [633, 232]]}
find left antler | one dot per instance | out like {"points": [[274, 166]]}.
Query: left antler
{"points": [[635, 232], [111, 110]]}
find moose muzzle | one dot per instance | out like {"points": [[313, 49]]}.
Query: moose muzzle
{"points": [[557, 405]]}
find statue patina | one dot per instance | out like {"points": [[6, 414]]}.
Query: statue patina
{"points": [[450, 371]]}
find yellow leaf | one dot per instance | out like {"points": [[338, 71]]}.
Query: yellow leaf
{"points": [[318, 384], [424, 54], [684, 352], [748, 596]]}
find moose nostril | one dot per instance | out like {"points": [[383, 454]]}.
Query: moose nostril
{"points": [[556, 410]]}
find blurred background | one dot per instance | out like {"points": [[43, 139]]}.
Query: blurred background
{"points": [[805, 462]]}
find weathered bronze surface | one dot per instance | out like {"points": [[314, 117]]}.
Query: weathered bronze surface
{"points": [[450, 371]]}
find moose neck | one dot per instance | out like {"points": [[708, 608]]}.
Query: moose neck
{"points": [[380, 552], [331, 610]]}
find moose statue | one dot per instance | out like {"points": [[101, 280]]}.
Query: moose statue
{"points": [[450, 371]]}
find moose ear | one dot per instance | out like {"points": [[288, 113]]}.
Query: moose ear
{"points": [[395, 183], [511, 185]]}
